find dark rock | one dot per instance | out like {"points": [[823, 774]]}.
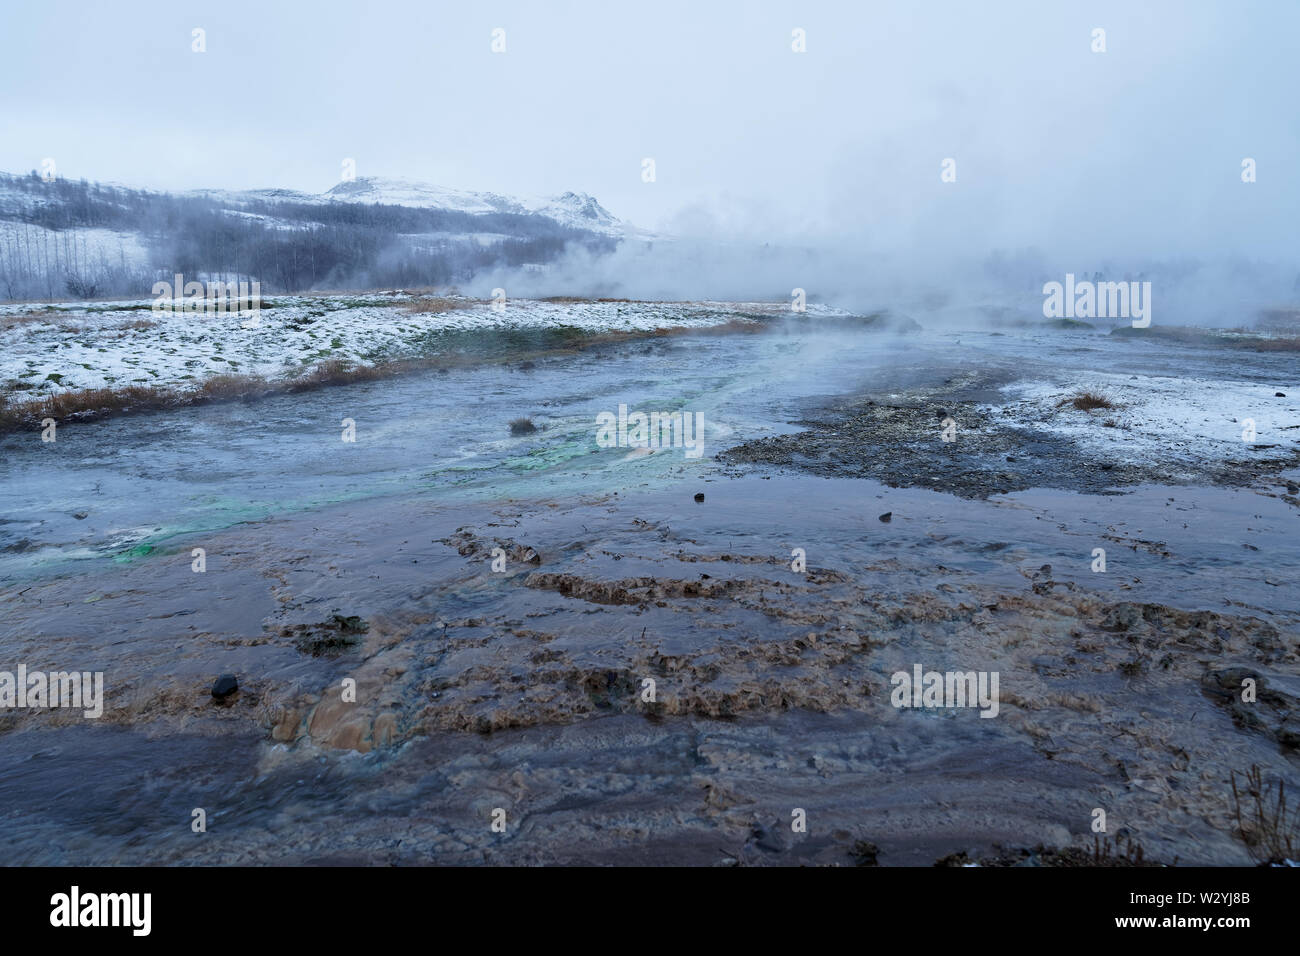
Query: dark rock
{"points": [[352, 624], [699, 496], [887, 516], [1288, 733], [329, 638], [1279, 394], [224, 686], [864, 853], [765, 838], [1228, 682]]}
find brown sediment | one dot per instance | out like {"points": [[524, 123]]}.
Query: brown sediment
{"points": [[771, 690]]}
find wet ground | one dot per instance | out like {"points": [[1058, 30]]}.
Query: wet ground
{"points": [[987, 451], [524, 689]]}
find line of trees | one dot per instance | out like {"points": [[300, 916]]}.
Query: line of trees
{"points": [[288, 246], [36, 262]]}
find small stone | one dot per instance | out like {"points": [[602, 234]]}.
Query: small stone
{"points": [[224, 686], [1279, 394], [81, 515], [699, 497], [886, 516]]}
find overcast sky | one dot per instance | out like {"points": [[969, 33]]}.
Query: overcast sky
{"points": [[1140, 146]]}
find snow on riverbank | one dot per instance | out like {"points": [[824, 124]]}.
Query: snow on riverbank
{"points": [[46, 348]]}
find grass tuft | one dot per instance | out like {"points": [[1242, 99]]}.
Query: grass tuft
{"points": [[1087, 401], [1270, 832]]}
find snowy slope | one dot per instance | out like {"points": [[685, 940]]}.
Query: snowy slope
{"points": [[577, 210], [574, 209]]}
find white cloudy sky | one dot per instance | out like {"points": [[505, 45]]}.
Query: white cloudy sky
{"points": [[1140, 146]]}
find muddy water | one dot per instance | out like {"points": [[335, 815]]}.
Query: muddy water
{"points": [[522, 690]]}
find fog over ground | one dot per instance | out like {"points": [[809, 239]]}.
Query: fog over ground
{"points": [[774, 169]]}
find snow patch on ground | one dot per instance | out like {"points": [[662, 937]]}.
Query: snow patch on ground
{"points": [[46, 348], [1159, 418]]}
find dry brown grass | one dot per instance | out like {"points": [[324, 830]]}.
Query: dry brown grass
{"points": [[91, 402], [440, 304], [73, 328], [1087, 401], [68, 326], [230, 387], [1270, 831], [13, 321]]}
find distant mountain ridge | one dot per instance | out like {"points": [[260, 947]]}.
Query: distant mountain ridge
{"points": [[573, 209], [90, 239]]}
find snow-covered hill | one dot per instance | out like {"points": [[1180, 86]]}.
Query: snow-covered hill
{"points": [[574, 209], [91, 239]]}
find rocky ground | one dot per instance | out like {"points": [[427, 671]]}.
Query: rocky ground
{"points": [[996, 445], [525, 690], [634, 658]]}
